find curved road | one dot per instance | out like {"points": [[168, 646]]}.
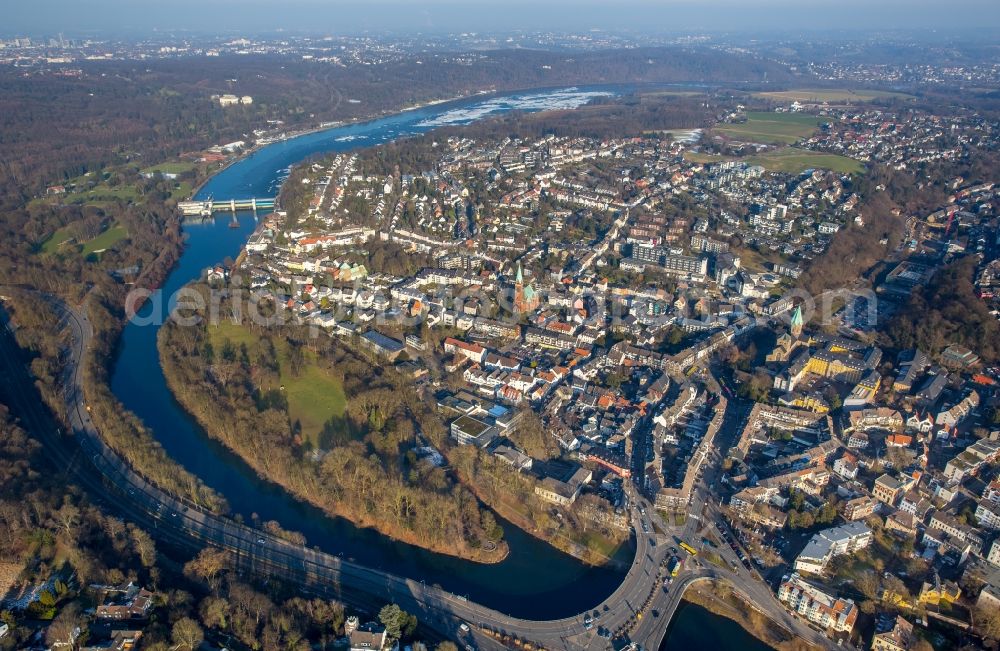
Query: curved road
{"points": [[258, 551], [628, 613]]}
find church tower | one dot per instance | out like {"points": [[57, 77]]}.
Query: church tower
{"points": [[525, 298], [796, 326]]}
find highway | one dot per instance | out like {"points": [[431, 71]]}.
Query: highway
{"points": [[626, 614]]}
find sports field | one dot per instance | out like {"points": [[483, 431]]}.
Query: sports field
{"points": [[105, 240], [771, 128], [794, 161]]}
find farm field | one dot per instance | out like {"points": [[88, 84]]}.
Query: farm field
{"points": [[771, 128], [314, 395]]}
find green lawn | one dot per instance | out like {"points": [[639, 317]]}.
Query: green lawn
{"points": [[181, 191], [105, 240], [699, 157], [125, 193], [170, 168], [774, 128], [794, 161], [54, 241], [829, 95], [314, 396]]}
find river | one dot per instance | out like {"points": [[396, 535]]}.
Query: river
{"points": [[535, 580], [695, 627]]}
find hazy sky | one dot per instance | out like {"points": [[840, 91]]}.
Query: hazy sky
{"points": [[351, 16]]}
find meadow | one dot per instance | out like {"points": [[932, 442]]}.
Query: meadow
{"points": [[314, 395], [771, 128]]}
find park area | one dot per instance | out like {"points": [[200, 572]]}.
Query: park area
{"points": [[314, 395], [62, 239]]}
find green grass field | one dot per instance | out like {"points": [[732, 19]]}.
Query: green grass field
{"points": [[125, 193], [699, 157], [170, 168], [314, 396], [794, 161], [829, 95], [105, 240], [56, 240], [772, 128]]}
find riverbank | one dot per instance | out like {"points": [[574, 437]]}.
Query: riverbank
{"points": [[326, 126], [517, 504], [354, 478], [533, 580], [720, 599]]}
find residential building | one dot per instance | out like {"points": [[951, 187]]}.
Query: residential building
{"points": [[818, 607], [827, 544], [898, 638]]}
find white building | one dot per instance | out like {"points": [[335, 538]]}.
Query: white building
{"points": [[845, 539], [817, 606]]}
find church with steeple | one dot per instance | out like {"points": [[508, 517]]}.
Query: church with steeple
{"points": [[525, 298], [795, 327]]}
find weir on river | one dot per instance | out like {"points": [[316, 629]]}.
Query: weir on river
{"points": [[535, 580]]}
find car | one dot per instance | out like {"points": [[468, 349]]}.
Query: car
{"points": [[464, 627], [261, 541]]}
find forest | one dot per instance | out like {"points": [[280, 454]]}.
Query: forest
{"points": [[947, 311], [52, 533], [367, 465]]}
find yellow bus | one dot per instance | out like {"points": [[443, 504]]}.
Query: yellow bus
{"points": [[689, 549]]}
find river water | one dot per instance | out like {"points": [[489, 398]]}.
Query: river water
{"points": [[535, 580]]}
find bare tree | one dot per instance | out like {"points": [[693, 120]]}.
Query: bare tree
{"points": [[187, 634]]}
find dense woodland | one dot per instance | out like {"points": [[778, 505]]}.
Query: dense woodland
{"points": [[948, 311], [51, 532], [367, 467], [854, 250]]}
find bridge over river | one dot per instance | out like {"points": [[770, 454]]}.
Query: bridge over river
{"points": [[211, 205]]}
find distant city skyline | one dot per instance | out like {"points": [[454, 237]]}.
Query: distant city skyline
{"points": [[124, 17]]}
